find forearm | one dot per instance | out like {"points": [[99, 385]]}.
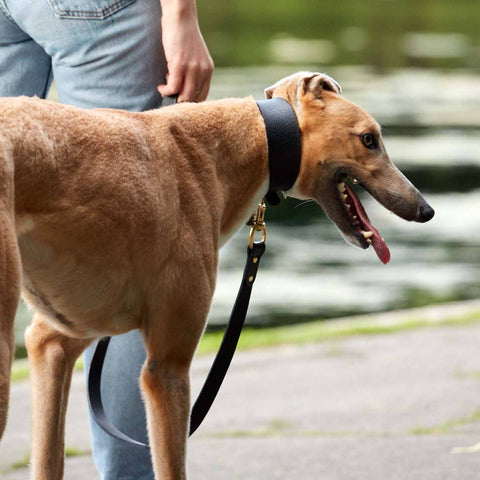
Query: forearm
{"points": [[190, 65], [179, 9]]}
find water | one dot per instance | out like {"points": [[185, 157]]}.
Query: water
{"points": [[431, 122], [383, 34]]}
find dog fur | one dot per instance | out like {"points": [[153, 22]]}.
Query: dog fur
{"points": [[111, 221]]}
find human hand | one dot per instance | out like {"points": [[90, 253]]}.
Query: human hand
{"points": [[189, 63]]}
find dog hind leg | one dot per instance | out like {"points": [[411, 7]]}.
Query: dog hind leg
{"points": [[52, 357], [10, 278]]}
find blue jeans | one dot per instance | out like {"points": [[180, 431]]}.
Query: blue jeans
{"points": [[100, 53], [124, 406]]}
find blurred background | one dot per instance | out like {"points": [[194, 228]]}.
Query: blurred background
{"points": [[412, 64]]}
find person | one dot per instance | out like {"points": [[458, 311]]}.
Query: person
{"points": [[118, 54]]}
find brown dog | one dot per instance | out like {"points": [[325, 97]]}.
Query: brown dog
{"points": [[112, 221]]}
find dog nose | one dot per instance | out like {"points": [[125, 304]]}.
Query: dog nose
{"points": [[426, 213]]}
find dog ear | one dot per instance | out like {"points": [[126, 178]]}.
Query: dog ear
{"points": [[301, 83], [315, 83], [284, 87], [269, 91]]}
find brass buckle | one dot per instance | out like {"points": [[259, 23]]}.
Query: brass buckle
{"points": [[257, 224]]}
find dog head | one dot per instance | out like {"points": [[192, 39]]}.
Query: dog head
{"points": [[342, 145]]}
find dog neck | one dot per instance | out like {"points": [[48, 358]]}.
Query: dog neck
{"points": [[280, 139], [231, 143]]}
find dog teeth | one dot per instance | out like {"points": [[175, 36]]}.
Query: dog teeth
{"points": [[341, 187], [369, 241], [355, 217], [344, 196], [367, 235]]}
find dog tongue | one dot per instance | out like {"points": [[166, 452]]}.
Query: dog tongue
{"points": [[381, 249], [379, 245]]}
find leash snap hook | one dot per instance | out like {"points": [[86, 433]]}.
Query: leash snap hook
{"points": [[257, 224]]}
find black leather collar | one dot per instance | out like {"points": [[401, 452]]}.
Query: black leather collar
{"points": [[284, 145]]}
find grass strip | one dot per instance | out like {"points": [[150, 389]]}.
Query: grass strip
{"points": [[447, 427], [324, 330], [25, 462], [317, 331]]}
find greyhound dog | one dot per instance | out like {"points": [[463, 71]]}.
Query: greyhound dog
{"points": [[111, 221]]}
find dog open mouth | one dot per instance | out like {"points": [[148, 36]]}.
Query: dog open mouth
{"points": [[363, 230]]}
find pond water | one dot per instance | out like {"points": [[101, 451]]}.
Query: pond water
{"points": [[431, 124]]}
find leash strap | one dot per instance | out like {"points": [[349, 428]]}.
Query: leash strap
{"points": [[217, 371], [230, 339], [170, 100], [95, 396]]}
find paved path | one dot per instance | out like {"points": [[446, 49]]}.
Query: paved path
{"points": [[400, 406]]}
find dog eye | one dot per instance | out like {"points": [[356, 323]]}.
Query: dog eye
{"points": [[368, 141]]}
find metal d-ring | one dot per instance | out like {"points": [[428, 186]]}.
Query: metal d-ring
{"points": [[257, 222]]}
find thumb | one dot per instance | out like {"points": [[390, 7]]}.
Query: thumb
{"points": [[172, 87]]}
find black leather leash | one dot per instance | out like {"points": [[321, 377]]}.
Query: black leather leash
{"points": [[284, 148], [218, 369]]}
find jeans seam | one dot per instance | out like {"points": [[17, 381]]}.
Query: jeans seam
{"points": [[48, 83], [89, 14], [6, 13]]}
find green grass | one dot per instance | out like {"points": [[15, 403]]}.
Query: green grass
{"points": [[310, 332], [320, 330], [447, 427], [25, 461], [467, 374], [21, 370]]}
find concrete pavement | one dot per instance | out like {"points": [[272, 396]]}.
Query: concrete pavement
{"points": [[403, 406]]}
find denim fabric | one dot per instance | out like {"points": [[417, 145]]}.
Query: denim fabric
{"points": [[100, 53], [113, 60], [124, 406], [87, 9]]}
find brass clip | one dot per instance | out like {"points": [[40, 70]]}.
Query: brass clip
{"points": [[257, 224]]}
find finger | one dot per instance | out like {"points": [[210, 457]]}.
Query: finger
{"points": [[203, 92], [203, 84], [189, 90], [197, 84], [207, 75], [173, 85]]}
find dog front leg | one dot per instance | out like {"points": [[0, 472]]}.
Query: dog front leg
{"points": [[165, 382], [167, 398], [52, 357]]}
